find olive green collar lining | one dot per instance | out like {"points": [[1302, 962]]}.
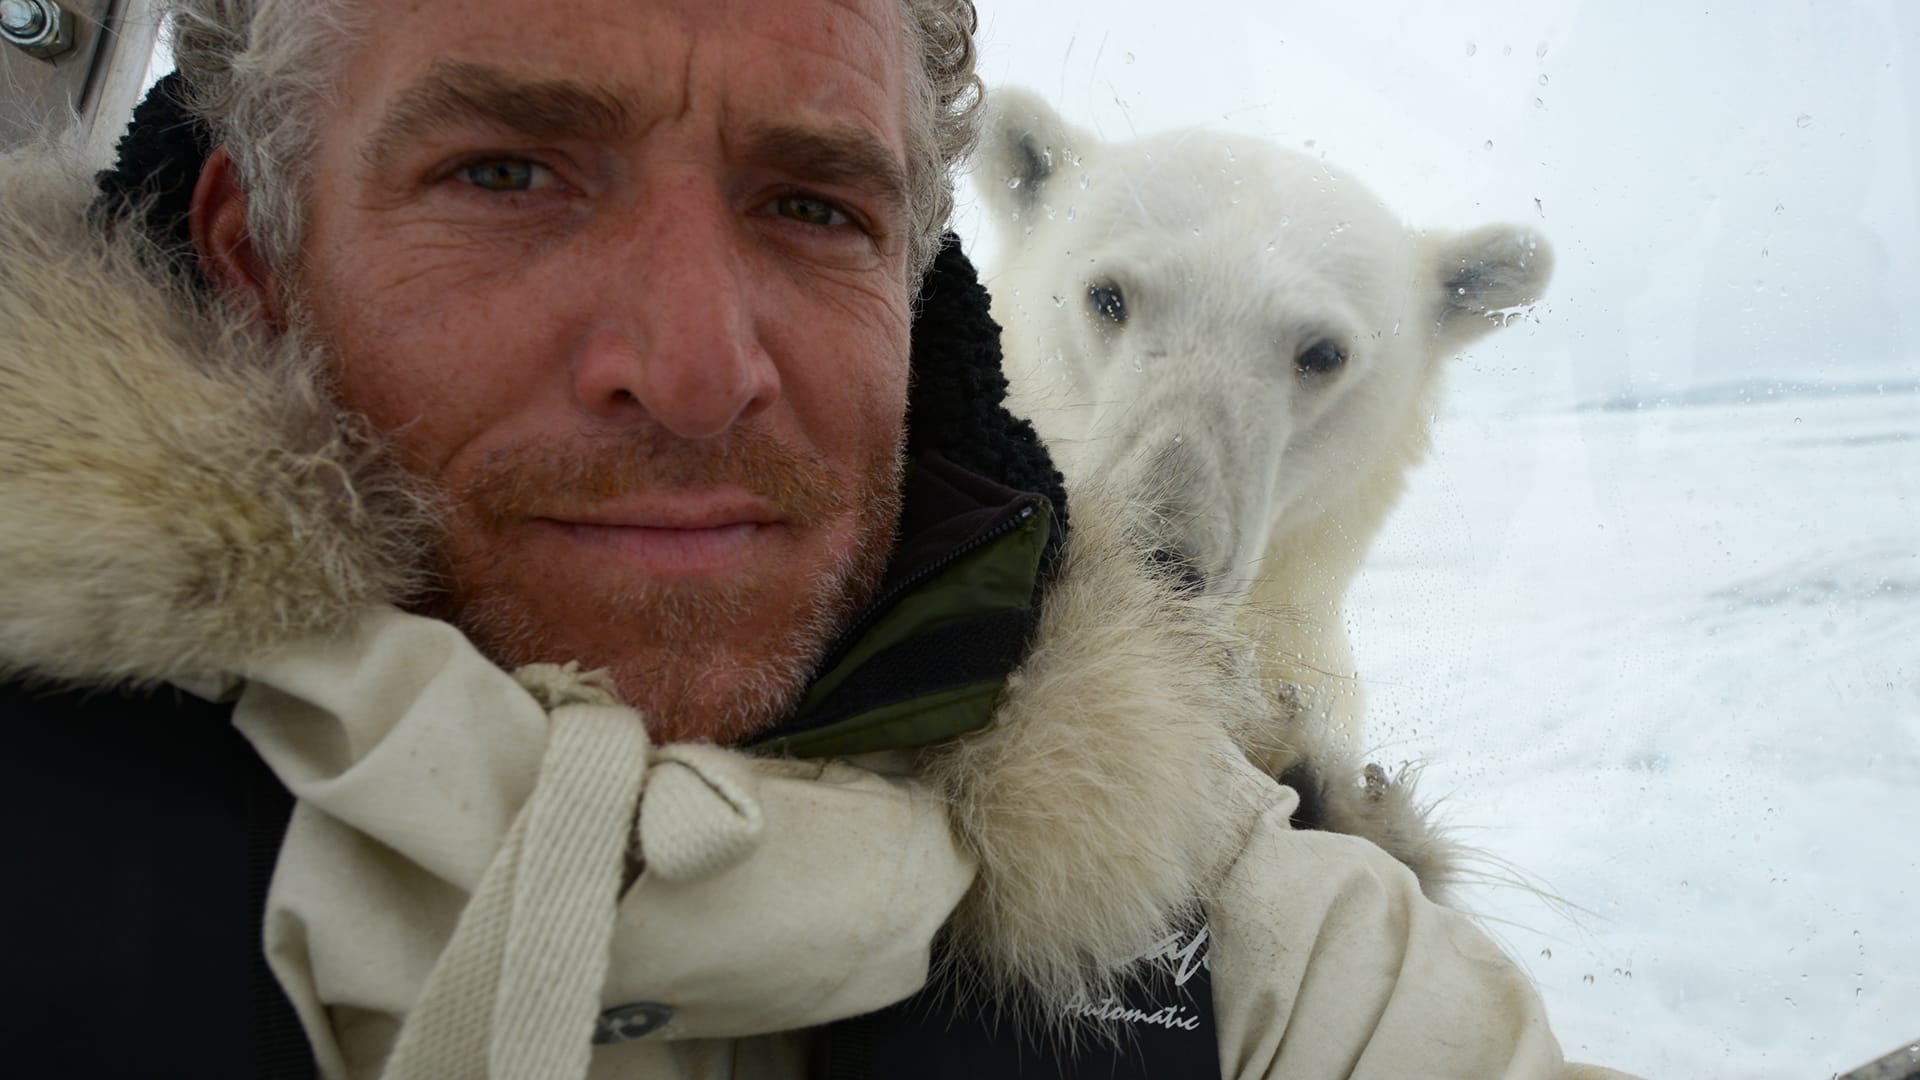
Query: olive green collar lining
{"points": [[990, 582]]}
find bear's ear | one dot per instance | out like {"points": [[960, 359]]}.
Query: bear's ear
{"points": [[1023, 145], [1482, 275]]}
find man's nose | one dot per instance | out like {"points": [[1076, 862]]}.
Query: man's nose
{"points": [[676, 341]]}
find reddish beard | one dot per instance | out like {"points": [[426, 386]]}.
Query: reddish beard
{"points": [[715, 662]]}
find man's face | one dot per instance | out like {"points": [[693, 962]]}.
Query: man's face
{"points": [[626, 278]]}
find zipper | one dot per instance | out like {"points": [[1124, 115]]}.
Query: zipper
{"points": [[885, 602]]}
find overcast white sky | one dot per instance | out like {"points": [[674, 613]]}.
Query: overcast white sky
{"points": [[1732, 191]]}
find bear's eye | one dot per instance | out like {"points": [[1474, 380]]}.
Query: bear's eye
{"points": [[1105, 300], [1320, 358]]}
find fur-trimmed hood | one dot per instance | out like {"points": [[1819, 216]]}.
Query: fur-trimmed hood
{"points": [[179, 496], [176, 492]]}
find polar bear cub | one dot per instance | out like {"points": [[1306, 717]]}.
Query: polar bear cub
{"points": [[1246, 339]]}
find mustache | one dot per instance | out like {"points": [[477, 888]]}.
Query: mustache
{"points": [[553, 477]]}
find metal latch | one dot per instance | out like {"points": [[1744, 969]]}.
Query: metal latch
{"points": [[39, 28]]}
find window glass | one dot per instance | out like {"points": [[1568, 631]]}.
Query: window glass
{"points": [[1650, 610]]}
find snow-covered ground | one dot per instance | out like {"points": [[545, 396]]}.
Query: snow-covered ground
{"points": [[1664, 663]]}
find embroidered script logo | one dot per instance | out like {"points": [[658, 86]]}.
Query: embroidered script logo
{"points": [[1183, 957], [1187, 956], [1172, 1017]]}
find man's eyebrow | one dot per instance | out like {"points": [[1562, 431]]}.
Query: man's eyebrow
{"points": [[454, 91], [851, 156]]}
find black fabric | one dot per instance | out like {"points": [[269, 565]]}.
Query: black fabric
{"points": [[957, 406], [157, 166], [280, 1047], [944, 507], [1159, 1027], [945, 511], [1311, 814], [978, 649], [139, 828]]}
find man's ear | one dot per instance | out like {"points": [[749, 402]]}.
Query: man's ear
{"points": [[217, 218], [1023, 146]]}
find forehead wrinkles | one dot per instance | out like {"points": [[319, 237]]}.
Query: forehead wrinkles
{"points": [[860, 42]]}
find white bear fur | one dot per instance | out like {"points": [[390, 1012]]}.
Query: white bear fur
{"points": [[1234, 258]]}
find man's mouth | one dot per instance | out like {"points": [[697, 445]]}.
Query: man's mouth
{"points": [[677, 535]]}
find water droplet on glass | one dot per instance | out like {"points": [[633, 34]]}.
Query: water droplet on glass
{"points": [[1176, 440], [1072, 212], [1540, 50], [1803, 121], [1046, 158], [1083, 181], [1546, 954], [1472, 48], [1543, 78], [1506, 50], [1460, 291], [1196, 230], [1230, 156], [1489, 144], [1588, 979], [1129, 58], [1013, 181], [1539, 103], [1059, 301], [1285, 221], [1137, 365], [1269, 245]]}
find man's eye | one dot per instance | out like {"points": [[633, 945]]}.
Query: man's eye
{"points": [[506, 175], [810, 211]]}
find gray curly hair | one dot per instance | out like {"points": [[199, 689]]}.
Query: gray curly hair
{"points": [[258, 71]]}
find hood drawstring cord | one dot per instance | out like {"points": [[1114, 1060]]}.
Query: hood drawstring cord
{"points": [[516, 994]]}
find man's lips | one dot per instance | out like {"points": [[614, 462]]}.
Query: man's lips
{"points": [[677, 536]]}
